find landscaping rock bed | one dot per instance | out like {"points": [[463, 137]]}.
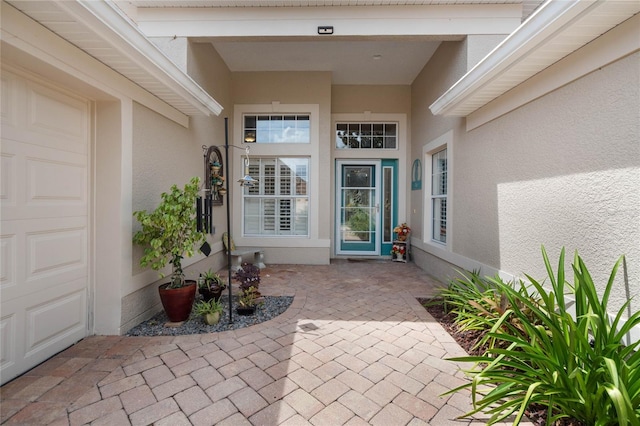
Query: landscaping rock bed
{"points": [[157, 326]]}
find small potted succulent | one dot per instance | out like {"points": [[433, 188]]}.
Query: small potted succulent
{"points": [[211, 285], [248, 301], [249, 278], [209, 310]]}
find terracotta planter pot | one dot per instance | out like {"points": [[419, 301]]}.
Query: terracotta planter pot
{"points": [[177, 302]]}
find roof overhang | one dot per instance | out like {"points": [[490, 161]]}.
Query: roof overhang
{"points": [[554, 31], [101, 30]]}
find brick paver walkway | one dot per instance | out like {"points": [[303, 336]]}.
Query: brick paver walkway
{"points": [[354, 348]]}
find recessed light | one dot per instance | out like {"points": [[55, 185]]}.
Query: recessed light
{"points": [[376, 57]]}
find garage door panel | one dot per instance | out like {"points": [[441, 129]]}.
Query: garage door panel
{"points": [[7, 180], [51, 253], [42, 182], [44, 244], [69, 187], [40, 325], [9, 340], [56, 252], [8, 114], [55, 318], [8, 257], [62, 119], [40, 115]]}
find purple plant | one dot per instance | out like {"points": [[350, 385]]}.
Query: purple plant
{"points": [[248, 276]]}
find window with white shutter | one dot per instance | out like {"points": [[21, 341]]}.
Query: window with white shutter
{"points": [[279, 203]]}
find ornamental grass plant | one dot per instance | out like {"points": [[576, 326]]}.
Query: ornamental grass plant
{"points": [[477, 303], [562, 350]]}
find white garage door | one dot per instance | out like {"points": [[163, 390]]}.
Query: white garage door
{"points": [[44, 236]]}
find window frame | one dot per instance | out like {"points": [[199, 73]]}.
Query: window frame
{"points": [[443, 142], [311, 150], [371, 135], [293, 196], [438, 198], [251, 134]]}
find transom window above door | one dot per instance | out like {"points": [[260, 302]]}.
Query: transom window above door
{"points": [[277, 128], [366, 135]]}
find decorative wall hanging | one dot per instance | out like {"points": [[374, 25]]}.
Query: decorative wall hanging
{"points": [[213, 188], [416, 175], [214, 175]]}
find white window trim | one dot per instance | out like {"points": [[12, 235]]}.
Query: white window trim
{"points": [[278, 197], [444, 141], [311, 150]]}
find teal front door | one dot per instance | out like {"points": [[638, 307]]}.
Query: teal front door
{"points": [[358, 207]]}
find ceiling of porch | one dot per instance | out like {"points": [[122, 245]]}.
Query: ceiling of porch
{"points": [[373, 43], [370, 44]]}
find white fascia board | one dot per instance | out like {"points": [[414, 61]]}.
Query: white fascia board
{"points": [[98, 82], [355, 21], [621, 41], [544, 24], [106, 20]]}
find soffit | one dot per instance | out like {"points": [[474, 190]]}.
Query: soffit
{"points": [[372, 44], [304, 3], [556, 30], [105, 33]]}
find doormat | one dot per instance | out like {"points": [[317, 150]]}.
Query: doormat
{"points": [[358, 259]]}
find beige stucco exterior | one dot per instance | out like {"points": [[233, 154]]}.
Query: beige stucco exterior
{"points": [[561, 170]]}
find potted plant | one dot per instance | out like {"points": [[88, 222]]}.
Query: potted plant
{"points": [[403, 231], [211, 285], [398, 251], [249, 276], [247, 301], [215, 167], [209, 310], [169, 234]]}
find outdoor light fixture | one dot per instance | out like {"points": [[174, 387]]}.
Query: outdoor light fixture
{"points": [[250, 137], [206, 217], [325, 30]]}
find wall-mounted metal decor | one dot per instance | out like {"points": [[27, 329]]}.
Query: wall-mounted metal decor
{"points": [[416, 175], [214, 188], [214, 175]]}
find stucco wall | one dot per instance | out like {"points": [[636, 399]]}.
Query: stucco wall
{"points": [[376, 99], [165, 153], [268, 89], [446, 66], [563, 170]]}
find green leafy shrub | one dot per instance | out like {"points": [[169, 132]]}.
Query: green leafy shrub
{"points": [[169, 233], [576, 364], [478, 303]]}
